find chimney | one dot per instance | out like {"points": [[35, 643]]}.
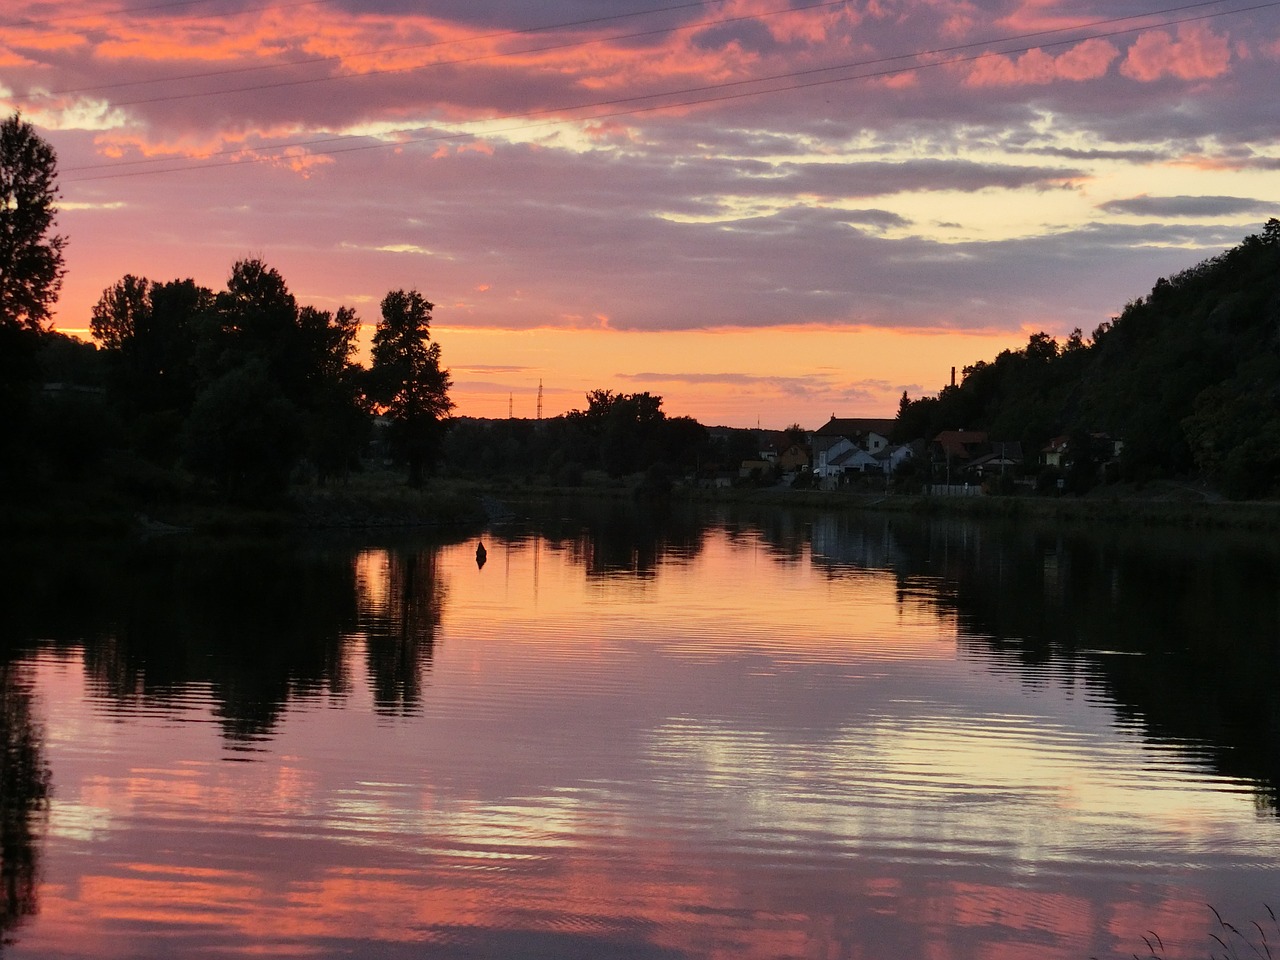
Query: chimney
{"points": [[953, 376]]}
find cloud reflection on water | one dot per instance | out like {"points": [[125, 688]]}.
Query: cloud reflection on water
{"points": [[799, 738]]}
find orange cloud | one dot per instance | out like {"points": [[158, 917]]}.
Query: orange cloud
{"points": [[1085, 61], [1197, 54], [11, 59], [36, 38], [299, 161], [121, 144]]}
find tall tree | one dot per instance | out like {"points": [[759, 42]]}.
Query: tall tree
{"points": [[148, 335], [308, 355], [407, 382], [31, 266], [30, 275], [256, 318], [336, 419], [621, 432]]}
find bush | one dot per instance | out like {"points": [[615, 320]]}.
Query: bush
{"points": [[244, 435]]}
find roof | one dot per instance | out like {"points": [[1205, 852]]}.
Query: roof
{"points": [[854, 427], [821, 444], [854, 456], [960, 443], [995, 460]]}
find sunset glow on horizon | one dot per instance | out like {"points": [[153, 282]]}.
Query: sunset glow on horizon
{"points": [[765, 211]]}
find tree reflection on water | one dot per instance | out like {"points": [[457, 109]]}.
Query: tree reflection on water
{"points": [[1179, 629], [24, 795], [402, 599], [253, 623]]}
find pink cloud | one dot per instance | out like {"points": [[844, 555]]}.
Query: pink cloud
{"points": [[1085, 61], [1038, 15], [1197, 54]]}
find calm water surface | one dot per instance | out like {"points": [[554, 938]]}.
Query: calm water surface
{"points": [[678, 737]]}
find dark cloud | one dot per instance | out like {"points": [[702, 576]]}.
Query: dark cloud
{"points": [[490, 368], [1197, 207], [751, 36], [505, 15], [877, 178], [555, 238], [723, 379]]}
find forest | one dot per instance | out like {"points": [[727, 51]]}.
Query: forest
{"points": [[1187, 376], [240, 392]]}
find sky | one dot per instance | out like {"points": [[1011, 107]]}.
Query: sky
{"points": [[764, 211]]}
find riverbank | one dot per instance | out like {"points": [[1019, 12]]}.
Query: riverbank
{"points": [[1164, 505], [365, 501], [380, 499]]}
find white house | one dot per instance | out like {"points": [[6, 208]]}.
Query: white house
{"points": [[890, 458]]}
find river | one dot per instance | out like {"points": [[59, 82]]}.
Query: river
{"points": [[722, 734]]}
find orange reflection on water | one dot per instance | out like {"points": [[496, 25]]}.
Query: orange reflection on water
{"points": [[798, 606], [777, 760], [683, 904]]}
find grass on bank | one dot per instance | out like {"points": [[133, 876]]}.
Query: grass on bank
{"points": [[154, 501], [1229, 941], [130, 494]]}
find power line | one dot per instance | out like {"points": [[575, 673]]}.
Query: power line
{"points": [[477, 58], [280, 84], [384, 51], [698, 94], [732, 83], [145, 8]]}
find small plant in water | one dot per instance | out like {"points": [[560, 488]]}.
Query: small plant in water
{"points": [[1229, 942]]}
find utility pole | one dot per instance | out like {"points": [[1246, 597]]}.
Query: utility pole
{"points": [[539, 400]]}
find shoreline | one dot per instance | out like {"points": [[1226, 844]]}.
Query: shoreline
{"points": [[1128, 510], [380, 501]]}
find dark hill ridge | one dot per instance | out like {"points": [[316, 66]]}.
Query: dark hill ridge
{"points": [[1188, 377]]}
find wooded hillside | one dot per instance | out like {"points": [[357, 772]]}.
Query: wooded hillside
{"points": [[1188, 376]]}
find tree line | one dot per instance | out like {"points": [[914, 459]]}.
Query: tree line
{"points": [[244, 385], [246, 389], [240, 386], [1188, 377]]}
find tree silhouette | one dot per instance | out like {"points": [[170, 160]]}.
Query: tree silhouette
{"points": [[244, 434], [148, 332], [407, 382], [336, 419], [30, 276], [255, 318], [31, 266], [400, 635]]}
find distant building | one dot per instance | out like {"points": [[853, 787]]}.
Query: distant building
{"points": [[837, 440]]}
